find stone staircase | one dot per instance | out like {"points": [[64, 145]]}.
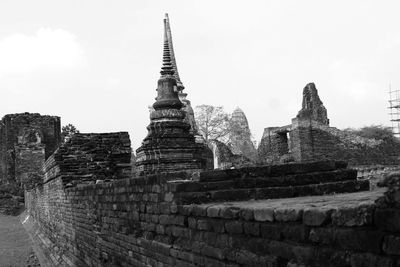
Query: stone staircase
{"points": [[269, 182]]}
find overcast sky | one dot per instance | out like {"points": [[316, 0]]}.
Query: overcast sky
{"points": [[96, 63]]}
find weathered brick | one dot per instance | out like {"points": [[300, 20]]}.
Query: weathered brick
{"points": [[295, 232], [325, 236], [229, 212], [234, 227], [316, 216], [271, 231], [247, 214], [213, 211], [360, 239], [388, 219], [357, 216], [192, 222], [251, 228], [391, 245], [203, 224], [370, 260], [213, 252], [286, 214], [199, 211], [264, 214], [217, 225]]}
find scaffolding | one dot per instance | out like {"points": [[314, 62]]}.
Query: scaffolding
{"points": [[394, 106]]}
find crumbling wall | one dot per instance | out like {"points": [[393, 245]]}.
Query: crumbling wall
{"points": [[89, 158], [224, 158], [311, 138], [274, 145], [314, 141], [181, 219], [312, 106], [23, 139], [141, 221]]}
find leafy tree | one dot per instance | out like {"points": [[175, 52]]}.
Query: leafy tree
{"points": [[213, 122], [378, 132], [67, 131]]}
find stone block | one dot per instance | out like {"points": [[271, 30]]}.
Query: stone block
{"points": [[192, 222], [368, 240], [247, 214], [316, 216], [388, 219], [213, 252], [287, 214], [251, 228], [354, 216], [295, 232], [200, 211], [264, 214], [229, 212], [213, 211], [234, 227], [222, 241], [203, 224], [217, 225], [324, 236], [370, 260], [391, 245], [271, 231]]}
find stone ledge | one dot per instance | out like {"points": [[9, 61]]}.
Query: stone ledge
{"points": [[272, 170], [349, 209]]}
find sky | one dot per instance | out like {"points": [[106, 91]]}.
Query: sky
{"points": [[96, 63]]}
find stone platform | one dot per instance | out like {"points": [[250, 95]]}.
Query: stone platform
{"points": [[275, 181]]}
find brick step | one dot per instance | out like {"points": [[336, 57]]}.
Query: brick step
{"points": [[259, 182], [272, 192], [272, 170]]}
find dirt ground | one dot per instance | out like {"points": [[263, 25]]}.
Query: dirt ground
{"points": [[15, 245]]}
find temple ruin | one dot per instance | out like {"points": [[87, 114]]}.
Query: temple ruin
{"points": [[310, 137], [84, 207], [170, 143], [26, 140]]}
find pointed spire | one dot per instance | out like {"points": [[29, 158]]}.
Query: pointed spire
{"points": [[172, 53], [167, 68]]}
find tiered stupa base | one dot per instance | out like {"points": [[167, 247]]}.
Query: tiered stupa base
{"points": [[169, 146]]}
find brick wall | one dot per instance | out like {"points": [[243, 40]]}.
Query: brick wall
{"points": [[14, 128], [274, 144], [138, 222], [83, 215], [174, 219], [311, 140]]}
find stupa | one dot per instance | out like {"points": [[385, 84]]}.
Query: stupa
{"points": [[170, 143]]}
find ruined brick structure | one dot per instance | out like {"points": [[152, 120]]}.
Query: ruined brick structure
{"points": [[176, 219], [86, 209], [240, 136], [312, 106], [309, 137], [225, 159], [170, 143], [26, 140]]}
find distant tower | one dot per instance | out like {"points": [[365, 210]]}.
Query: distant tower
{"points": [[240, 135], [170, 144], [394, 106], [312, 106]]}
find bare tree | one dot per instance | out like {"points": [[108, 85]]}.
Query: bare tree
{"points": [[213, 122]]}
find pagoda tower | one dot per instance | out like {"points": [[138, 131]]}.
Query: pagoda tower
{"points": [[170, 143], [189, 117]]}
